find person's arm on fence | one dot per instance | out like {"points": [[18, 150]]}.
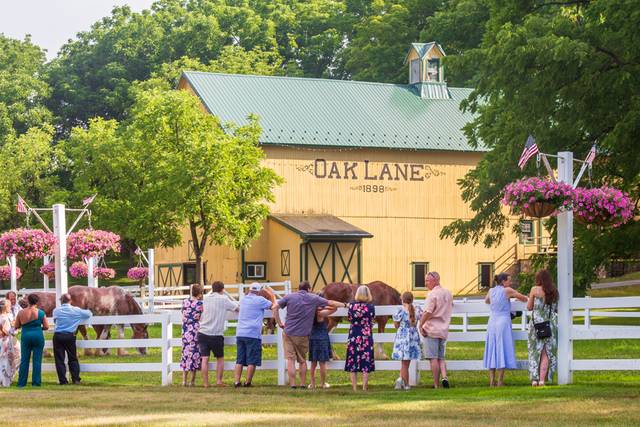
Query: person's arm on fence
{"points": [[487, 299], [531, 299], [276, 315], [325, 312], [336, 304], [512, 293]]}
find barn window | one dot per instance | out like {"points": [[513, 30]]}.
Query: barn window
{"points": [[526, 232], [485, 274], [256, 270], [418, 271]]}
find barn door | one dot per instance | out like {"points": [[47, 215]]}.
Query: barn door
{"points": [[331, 261]]}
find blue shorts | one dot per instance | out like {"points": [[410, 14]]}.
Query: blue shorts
{"points": [[249, 351]]}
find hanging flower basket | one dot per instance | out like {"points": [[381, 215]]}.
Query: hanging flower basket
{"points": [[537, 197], [92, 243], [49, 270], [78, 269], [602, 206], [104, 273], [138, 273], [26, 243], [5, 272]]}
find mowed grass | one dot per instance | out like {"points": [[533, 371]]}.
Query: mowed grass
{"points": [[131, 399]]}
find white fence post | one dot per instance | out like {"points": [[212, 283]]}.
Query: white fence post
{"points": [[45, 277], [414, 372], [587, 313], [524, 320], [60, 231], [565, 275], [167, 350], [13, 272], [282, 364], [151, 279], [92, 280], [465, 319]]}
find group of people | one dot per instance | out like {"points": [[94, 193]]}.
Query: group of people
{"points": [[16, 355], [306, 334], [419, 330]]}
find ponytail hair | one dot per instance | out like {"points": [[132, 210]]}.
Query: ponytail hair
{"points": [[407, 298]]}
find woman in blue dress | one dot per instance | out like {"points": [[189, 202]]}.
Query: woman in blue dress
{"points": [[499, 350], [320, 346], [360, 342], [406, 346]]}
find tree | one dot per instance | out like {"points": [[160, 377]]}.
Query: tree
{"points": [[570, 75], [170, 165]]}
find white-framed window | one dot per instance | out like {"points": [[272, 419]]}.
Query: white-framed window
{"points": [[255, 270], [419, 269]]}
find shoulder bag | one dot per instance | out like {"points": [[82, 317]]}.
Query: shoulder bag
{"points": [[543, 329]]}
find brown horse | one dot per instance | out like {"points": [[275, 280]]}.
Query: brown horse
{"points": [[110, 301], [382, 294]]}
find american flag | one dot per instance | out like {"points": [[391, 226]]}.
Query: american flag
{"points": [[88, 200], [21, 207], [530, 150], [591, 156]]}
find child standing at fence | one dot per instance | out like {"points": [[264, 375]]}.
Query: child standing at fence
{"points": [[320, 346], [406, 346], [360, 342], [191, 311]]}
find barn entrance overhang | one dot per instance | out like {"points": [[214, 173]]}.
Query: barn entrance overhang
{"points": [[330, 248]]}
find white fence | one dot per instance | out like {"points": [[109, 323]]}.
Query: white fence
{"points": [[167, 342]]}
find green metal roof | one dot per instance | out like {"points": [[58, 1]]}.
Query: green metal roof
{"points": [[336, 113]]}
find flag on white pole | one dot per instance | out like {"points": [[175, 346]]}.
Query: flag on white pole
{"points": [[591, 156], [530, 150], [88, 200], [21, 206]]}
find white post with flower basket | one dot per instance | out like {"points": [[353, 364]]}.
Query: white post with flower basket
{"points": [[565, 275], [60, 233], [602, 206]]}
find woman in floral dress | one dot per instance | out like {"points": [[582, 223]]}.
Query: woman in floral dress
{"points": [[406, 346], [360, 343], [9, 347], [543, 352], [191, 311]]}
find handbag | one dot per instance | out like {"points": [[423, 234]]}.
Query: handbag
{"points": [[543, 329]]}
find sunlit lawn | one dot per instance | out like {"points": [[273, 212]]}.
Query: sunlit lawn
{"points": [[595, 398]]}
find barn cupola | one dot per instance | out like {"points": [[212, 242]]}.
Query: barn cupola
{"points": [[426, 73]]}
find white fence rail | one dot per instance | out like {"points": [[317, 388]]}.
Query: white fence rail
{"points": [[167, 342]]}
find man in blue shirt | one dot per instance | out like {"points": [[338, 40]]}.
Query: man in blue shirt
{"points": [[249, 333], [67, 319]]}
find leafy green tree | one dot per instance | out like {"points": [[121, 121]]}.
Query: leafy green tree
{"points": [[22, 87], [570, 75], [170, 165], [381, 40], [29, 166]]}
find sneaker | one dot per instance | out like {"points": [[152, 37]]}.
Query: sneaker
{"points": [[247, 385], [310, 386], [445, 383], [399, 384], [407, 387], [326, 385], [237, 385]]}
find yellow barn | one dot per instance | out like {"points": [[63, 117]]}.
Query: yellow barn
{"points": [[370, 172]]}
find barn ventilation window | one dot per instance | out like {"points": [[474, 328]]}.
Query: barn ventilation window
{"points": [[485, 274], [256, 270], [418, 271]]}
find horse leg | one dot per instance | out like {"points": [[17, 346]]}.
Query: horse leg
{"points": [[83, 332], [379, 350], [105, 332], [121, 351]]}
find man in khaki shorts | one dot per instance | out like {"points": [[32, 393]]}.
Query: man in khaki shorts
{"points": [[434, 326], [301, 309]]}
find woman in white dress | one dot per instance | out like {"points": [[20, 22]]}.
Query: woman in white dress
{"points": [[9, 347]]}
